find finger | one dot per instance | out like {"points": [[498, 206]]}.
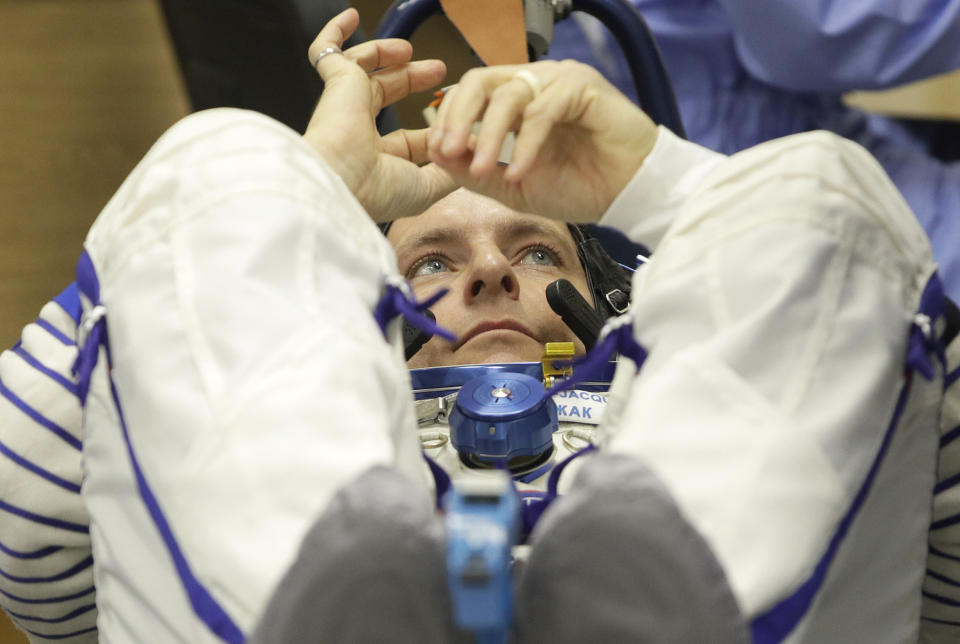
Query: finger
{"points": [[492, 184], [458, 166], [394, 83], [422, 187], [407, 144], [539, 118], [377, 54], [460, 109], [464, 106], [503, 112], [560, 102], [334, 34], [438, 183]]}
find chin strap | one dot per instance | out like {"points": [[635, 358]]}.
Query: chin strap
{"points": [[398, 300]]}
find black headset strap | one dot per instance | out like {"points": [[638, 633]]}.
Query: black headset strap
{"points": [[609, 284]]}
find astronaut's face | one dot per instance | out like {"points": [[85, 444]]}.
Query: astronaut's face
{"points": [[497, 264]]}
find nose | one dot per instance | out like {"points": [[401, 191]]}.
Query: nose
{"points": [[491, 275]]}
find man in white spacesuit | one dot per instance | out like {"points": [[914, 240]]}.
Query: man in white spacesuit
{"points": [[247, 397]]}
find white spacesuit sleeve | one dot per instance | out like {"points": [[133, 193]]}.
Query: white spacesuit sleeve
{"points": [[46, 571], [660, 189], [774, 403], [247, 379]]}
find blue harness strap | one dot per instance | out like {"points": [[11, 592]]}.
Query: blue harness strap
{"points": [[398, 300], [93, 333], [69, 300]]}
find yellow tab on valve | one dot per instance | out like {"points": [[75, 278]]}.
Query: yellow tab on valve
{"points": [[554, 352]]}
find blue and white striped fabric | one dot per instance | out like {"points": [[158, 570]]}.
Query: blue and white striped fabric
{"points": [[46, 567], [941, 590]]}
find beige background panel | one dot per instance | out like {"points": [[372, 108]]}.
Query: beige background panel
{"points": [[436, 38], [937, 97]]}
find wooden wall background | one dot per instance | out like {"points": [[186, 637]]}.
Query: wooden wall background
{"points": [[85, 89]]}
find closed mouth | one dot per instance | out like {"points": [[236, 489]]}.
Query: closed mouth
{"points": [[484, 327]]}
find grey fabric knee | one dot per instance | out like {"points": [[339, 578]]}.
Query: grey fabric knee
{"points": [[614, 561], [371, 569]]}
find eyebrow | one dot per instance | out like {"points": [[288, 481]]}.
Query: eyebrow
{"points": [[434, 237], [523, 228], [518, 228]]}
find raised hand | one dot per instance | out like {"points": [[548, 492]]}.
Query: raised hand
{"points": [[384, 173], [578, 143]]}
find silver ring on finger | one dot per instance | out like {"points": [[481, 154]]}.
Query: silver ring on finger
{"points": [[531, 81], [333, 49]]}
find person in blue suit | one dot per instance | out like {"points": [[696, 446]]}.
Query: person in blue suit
{"points": [[747, 72]]}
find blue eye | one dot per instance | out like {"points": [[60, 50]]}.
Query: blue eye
{"points": [[538, 256], [428, 266]]}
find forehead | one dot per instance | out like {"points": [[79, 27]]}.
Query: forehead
{"points": [[464, 215]]}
